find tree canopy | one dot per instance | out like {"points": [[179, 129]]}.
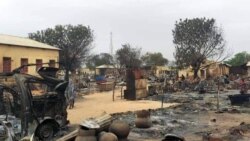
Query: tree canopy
{"points": [[154, 59], [74, 42], [99, 59], [239, 59], [128, 56], [197, 40]]}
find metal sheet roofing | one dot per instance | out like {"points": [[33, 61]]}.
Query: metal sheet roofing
{"points": [[105, 67], [22, 41]]}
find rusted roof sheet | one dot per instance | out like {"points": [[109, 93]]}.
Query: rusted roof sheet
{"points": [[22, 41]]}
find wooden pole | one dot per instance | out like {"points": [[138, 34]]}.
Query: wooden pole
{"points": [[218, 102]]}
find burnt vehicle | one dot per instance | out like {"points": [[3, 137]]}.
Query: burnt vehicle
{"points": [[35, 106]]}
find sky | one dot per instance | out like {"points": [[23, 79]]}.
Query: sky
{"points": [[146, 24]]}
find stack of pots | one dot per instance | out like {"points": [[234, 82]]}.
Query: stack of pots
{"points": [[143, 119], [120, 129], [86, 135]]}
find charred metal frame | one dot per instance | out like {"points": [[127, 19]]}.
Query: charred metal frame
{"points": [[47, 111]]}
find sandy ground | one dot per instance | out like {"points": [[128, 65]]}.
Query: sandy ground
{"points": [[93, 105]]}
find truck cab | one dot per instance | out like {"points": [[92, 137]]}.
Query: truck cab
{"points": [[35, 105]]}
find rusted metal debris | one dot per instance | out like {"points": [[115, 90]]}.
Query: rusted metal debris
{"points": [[35, 105]]}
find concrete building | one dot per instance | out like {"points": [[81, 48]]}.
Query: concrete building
{"points": [[161, 70], [209, 69], [16, 51]]}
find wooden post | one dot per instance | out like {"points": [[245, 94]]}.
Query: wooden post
{"points": [[113, 91], [218, 102], [162, 100], [121, 90]]}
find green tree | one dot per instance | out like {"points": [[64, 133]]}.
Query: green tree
{"points": [[154, 59], [128, 57], [99, 59], [197, 40], [239, 59], [74, 42]]}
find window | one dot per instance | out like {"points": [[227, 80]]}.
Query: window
{"points": [[40, 89], [24, 61], [52, 63], [39, 63], [6, 64]]}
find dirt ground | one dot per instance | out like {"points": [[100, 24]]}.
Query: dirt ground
{"points": [[93, 105], [194, 116]]}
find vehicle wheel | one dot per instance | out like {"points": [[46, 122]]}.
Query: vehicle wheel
{"points": [[45, 131]]}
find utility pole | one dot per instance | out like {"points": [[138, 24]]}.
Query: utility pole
{"points": [[111, 53], [111, 44]]}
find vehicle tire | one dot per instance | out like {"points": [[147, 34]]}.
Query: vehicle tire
{"points": [[45, 131]]}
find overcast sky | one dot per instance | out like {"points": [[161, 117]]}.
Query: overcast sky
{"points": [[142, 23]]}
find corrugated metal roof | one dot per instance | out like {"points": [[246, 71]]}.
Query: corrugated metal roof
{"points": [[22, 41], [105, 67]]}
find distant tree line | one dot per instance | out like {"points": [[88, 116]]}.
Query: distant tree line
{"points": [[195, 40], [127, 57], [239, 59]]}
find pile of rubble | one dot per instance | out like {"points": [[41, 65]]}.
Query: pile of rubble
{"points": [[120, 127], [189, 119]]}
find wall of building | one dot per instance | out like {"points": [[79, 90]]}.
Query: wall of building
{"points": [[213, 71], [161, 70], [17, 52], [188, 72]]}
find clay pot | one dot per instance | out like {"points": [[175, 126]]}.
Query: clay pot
{"points": [[86, 135], [172, 137], [108, 137], [143, 114], [143, 123], [101, 134], [82, 138], [123, 140], [83, 132], [120, 129]]}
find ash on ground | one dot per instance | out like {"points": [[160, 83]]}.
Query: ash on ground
{"points": [[195, 117]]}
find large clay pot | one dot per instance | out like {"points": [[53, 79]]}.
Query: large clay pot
{"points": [[123, 140], [108, 137], [120, 129], [85, 132], [143, 114], [87, 138], [86, 135], [143, 122]]}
